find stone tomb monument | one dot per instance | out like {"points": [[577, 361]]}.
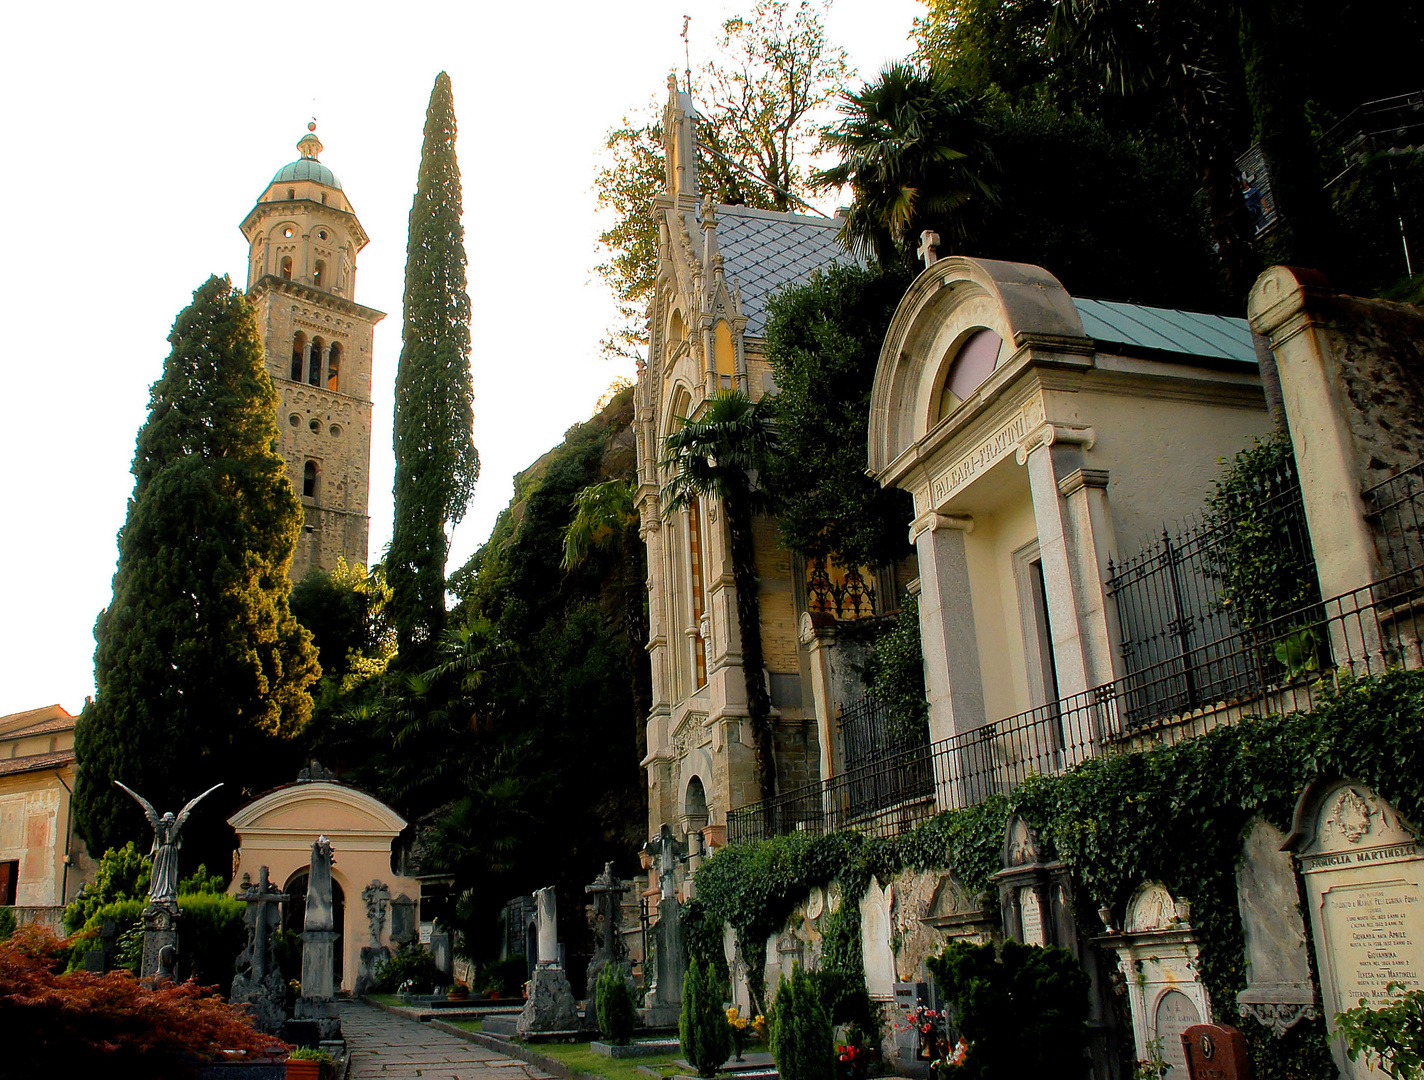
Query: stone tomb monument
{"points": [[319, 945], [1279, 992], [1033, 894], [258, 982], [1364, 883], [607, 892], [550, 1006], [1157, 955], [664, 1001]]}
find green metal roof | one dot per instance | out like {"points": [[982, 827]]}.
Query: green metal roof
{"points": [[1166, 330], [307, 169]]}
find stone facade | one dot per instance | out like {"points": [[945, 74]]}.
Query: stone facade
{"points": [[303, 238], [717, 266]]}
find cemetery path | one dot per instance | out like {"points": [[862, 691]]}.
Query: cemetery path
{"points": [[389, 1047]]}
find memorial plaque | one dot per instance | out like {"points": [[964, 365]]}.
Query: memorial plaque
{"points": [[1364, 876], [1031, 915], [1374, 932], [1175, 1013], [1215, 1052]]}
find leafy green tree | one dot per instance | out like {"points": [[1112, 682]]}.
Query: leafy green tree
{"points": [[715, 456], [823, 342], [606, 519], [345, 611], [702, 1026], [913, 154], [436, 461], [762, 95], [1022, 1008], [801, 1039], [202, 671], [122, 874]]}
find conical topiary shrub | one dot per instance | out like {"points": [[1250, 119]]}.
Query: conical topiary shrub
{"points": [[706, 1038], [802, 1042], [617, 1015]]}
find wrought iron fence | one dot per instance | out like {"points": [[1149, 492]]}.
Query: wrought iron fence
{"points": [[1395, 511], [1276, 666], [1182, 602], [837, 591]]}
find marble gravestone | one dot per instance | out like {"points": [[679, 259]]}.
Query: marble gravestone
{"points": [[665, 1001], [1033, 895], [607, 892], [1157, 954], [1279, 992], [319, 937], [550, 1006], [1364, 883]]}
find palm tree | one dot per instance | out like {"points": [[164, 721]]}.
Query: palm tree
{"points": [[1179, 42], [715, 456], [606, 518], [913, 154]]}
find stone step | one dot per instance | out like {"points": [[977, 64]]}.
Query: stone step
{"points": [[637, 1048]]}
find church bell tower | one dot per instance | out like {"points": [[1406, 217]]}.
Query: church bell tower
{"points": [[303, 239]]}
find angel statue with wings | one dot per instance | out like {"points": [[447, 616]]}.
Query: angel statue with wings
{"points": [[163, 882]]}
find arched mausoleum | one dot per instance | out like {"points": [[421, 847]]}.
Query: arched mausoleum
{"points": [[1041, 435], [277, 830]]}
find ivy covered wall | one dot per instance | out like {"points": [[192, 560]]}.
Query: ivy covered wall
{"points": [[1174, 814]]}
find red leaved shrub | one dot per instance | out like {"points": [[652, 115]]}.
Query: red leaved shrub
{"points": [[52, 1020]]}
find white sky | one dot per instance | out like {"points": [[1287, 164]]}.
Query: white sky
{"points": [[138, 136]]}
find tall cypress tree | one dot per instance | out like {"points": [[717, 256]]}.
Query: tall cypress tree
{"points": [[200, 666], [436, 461]]}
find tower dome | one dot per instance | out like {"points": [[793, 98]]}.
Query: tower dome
{"points": [[307, 167]]}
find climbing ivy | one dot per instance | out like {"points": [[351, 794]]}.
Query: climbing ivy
{"points": [[1174, 814]]}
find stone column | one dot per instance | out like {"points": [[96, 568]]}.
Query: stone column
{"points": [[1082, 656], [818, 634], [548, 921], [955, 691]]}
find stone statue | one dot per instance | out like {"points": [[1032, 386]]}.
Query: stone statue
{"points": [[163, 883], [258, 983], [319, 892]]}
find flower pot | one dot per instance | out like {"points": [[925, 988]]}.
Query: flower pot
{"points": [[300, 1069], [715, 836]]}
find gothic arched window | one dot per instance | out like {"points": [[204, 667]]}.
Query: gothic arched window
{"points": [[333, 367], [319, 274], [314, 363], [309, 480], [299, 353]]}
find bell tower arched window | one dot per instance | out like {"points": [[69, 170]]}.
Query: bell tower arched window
{"points": [[314, 362], [309, 480], [319, 274], [299, 354], [287, 267], [333, 367]]}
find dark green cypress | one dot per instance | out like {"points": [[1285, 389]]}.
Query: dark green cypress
{"points": [[200, 667], [436, 461]]}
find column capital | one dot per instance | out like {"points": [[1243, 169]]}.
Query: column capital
{"points": [[1050, 433], [933, 522], [1079, 479]]}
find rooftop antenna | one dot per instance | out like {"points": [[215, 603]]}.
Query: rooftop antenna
{"points": [[686, 54]]}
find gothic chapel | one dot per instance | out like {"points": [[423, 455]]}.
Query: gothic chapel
{"points": [[301, 278]]}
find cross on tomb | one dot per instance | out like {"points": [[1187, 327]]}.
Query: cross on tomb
{"points": [[928, 251], [668, 850], [264, 917]]}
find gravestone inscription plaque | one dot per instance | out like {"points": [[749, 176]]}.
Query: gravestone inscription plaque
{"points": [[1364, 879], [1175, 1013]]}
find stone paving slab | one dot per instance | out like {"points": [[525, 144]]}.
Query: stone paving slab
{"points": [[384, 1046]]}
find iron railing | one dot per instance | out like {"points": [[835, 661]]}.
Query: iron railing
{"points": [[1395, 512], [1183, 600], [837, 591], [1275, 667]]}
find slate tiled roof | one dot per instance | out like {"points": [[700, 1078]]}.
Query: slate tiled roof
{"points": [[763, 251], [35, 762], [1167, 330]]}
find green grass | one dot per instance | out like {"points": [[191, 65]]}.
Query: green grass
{"points": [[385, 999], [468, 1025], [579, 1056]]}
